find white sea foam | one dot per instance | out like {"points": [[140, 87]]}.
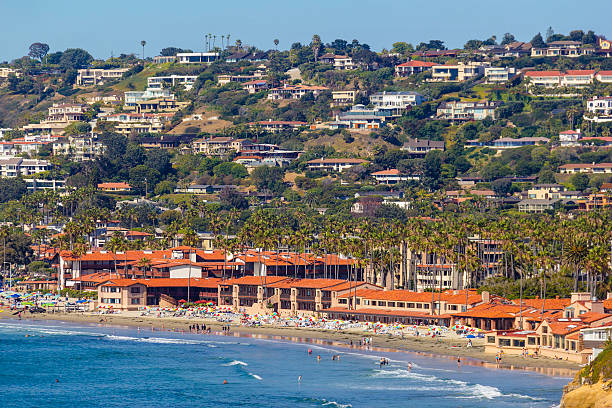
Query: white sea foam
{"points": [[235, 362], [466, 390], [335, 404], [165, 340], [255, 376], [121, 338]]}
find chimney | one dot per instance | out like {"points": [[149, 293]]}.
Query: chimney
{"points": [[609, 296], [486, 297], [557, 297]]}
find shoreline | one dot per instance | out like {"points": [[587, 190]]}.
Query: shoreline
{"points": [[442, 348]]}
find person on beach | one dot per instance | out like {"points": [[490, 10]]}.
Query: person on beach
{"points": [[458, 361]]}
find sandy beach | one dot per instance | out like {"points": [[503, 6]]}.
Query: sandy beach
{"points": [[441, 347]]}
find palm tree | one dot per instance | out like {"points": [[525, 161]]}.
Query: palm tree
{"points": [[114, 244], [143, 43], [5, 232], [144, 264], [316, 46]]}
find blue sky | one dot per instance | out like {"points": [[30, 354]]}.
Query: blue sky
{"points": [[102, 27]]}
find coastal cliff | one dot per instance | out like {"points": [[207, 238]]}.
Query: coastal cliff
{"points": [[592, 386]]}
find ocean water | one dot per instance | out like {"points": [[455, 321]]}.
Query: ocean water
{"points": [[102, 366]]}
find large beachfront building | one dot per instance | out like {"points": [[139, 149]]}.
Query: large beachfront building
{"points": [[550, 328], [184, 262], [133, 294], [285, 295]]}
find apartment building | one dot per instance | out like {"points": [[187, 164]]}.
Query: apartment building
{"points": [[160, 82], [343, 98], [340, 62], [79, 148], [572, 49], [498, 74], [197, 57], [504, 143], [600, 168], [599, 109], [412, 67], [255, 86], [160, 105], [334, 164], [604, 77], [558, 78], [218, 146], [464, 111], [420, 147], [132, 98], [360, 118], [66, 112], [397, 102], [17, 166], [391, 176], [569, 138], [277, 126], [93, 76], [459, 72], [294, 91], [6, 72]]}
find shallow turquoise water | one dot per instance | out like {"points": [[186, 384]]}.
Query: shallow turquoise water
{"points": [[122, 367]]}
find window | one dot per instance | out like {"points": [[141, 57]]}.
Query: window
{"points": [[491, 339], [401, 304], [531, 341], [504, 342], [135, 289], [544, 329], [135, 301]]}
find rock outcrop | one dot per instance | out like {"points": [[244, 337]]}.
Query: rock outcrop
{"points": [[592, 386]]}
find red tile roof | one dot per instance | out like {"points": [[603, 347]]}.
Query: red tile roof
{"points": [[167, 282], [543, 73], [580, 72], [549, 304], [254, 280], [105, 186], [416, 63], [491, 311], [390, 172], [591, 317]]}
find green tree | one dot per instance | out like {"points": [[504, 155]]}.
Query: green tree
{"points": [[38, 50], [537, 41], [235, 170], [508, 39], [580, 181], [12, 189], [268, 178], [75, 58]]}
